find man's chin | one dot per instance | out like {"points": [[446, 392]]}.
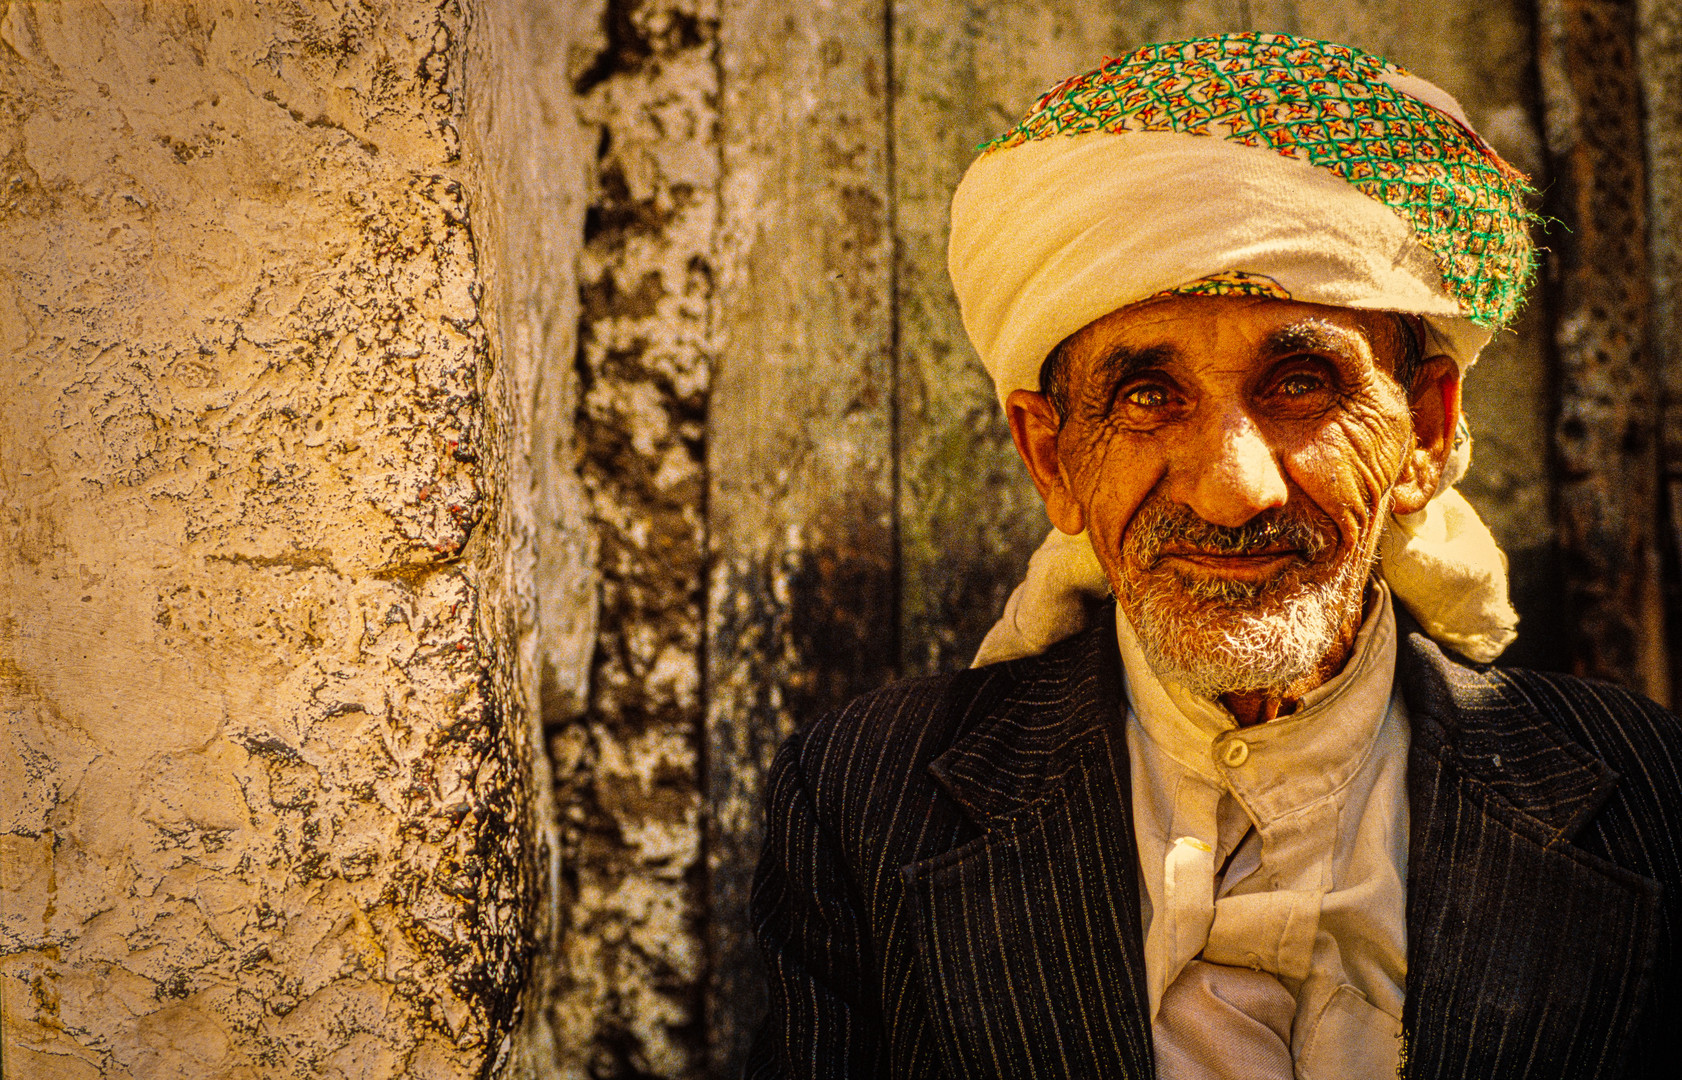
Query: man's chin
{"points": [[1258, 654], [1245, 638]]}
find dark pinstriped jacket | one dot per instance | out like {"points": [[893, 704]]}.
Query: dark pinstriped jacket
{"points": [[949, 884]]}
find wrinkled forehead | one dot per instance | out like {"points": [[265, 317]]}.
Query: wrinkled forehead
{"points": [[1186, 328]]}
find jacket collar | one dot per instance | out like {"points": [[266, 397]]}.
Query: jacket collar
{"points": [[1482, 725], [1527, 955], [1496, 791], [1049, 710]]}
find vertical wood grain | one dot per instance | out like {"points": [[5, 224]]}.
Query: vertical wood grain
{"points": [[1606, 433], [1659, 47], [800, 433]]}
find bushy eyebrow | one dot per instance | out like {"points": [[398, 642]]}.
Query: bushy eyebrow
{"points": [[1125, 361], [1306, 337]]}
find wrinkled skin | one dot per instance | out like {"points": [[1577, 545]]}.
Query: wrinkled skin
{"points": [[1238, 408]]}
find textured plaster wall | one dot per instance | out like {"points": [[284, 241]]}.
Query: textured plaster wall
{"points": [[266, 641]]}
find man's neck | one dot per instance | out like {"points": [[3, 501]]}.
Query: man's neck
{"points": [[1252, 709], [1259, 707]]}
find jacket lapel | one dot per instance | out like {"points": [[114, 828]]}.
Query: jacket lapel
{"points": [[1527, 956], [1029, 935]]}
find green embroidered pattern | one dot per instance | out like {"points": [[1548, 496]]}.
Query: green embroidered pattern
{"points": [[1325, 104], [1231, 283]]}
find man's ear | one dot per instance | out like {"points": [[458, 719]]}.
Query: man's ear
{"points": [[1435, 405], [1034, 426]]}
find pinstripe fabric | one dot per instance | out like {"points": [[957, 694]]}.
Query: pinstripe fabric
{"points": [[949, 883], [1050, 873], [1545, 816]]}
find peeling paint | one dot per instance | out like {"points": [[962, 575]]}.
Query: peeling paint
{"points": [[628, 762]]}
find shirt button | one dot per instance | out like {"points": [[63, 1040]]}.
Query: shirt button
{"points": [[1237, 753]]}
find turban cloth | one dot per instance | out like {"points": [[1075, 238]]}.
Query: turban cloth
{"points": [[1260, 165]]}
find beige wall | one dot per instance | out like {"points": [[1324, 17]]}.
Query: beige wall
{"points": [[267, 624]]}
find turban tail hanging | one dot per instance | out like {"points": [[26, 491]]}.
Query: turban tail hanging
{"points": [[1247, 164]]}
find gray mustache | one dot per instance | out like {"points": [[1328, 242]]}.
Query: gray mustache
{"points": [[1164, 522]]}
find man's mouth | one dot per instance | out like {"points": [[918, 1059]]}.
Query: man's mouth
{"points": [[1165, 535], [1238, 566]]}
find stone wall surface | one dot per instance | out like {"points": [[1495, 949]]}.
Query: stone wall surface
{"points": [[261, 652], [628, 753]]}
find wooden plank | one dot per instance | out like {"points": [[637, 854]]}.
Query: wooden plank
{"points": [[799, 440], [1659, 48], [1606, 435]]}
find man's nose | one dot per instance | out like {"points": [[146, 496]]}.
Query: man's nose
{"points": [[1231, 474]]}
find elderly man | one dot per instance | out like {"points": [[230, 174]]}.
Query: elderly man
{"points": [[1269, 816]]}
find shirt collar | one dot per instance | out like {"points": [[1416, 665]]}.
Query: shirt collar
{"points": [[1287, 762]]}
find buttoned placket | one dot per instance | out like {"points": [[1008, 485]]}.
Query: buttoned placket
{"points": [[1246, 838]]}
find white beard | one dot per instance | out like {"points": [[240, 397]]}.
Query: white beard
{"points": [[1237, 643]]}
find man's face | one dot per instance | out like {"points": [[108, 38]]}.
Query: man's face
{"points": [[1234, 461]]}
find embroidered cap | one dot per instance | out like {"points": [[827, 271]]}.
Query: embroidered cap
{"points": [[1394, 136], [1251, 163]]}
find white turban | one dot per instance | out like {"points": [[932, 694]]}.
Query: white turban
{"points": [[1257, 164]]}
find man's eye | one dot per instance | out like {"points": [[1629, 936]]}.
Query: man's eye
{"points": [[1146, 397], [1300, 384]]}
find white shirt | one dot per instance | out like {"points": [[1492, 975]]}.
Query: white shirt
{"points": [[1311, 810]]}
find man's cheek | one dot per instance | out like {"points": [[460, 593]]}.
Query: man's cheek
{"points": [[1089, 476], [1107, 523], [1346, 469], [1381, 436]]}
